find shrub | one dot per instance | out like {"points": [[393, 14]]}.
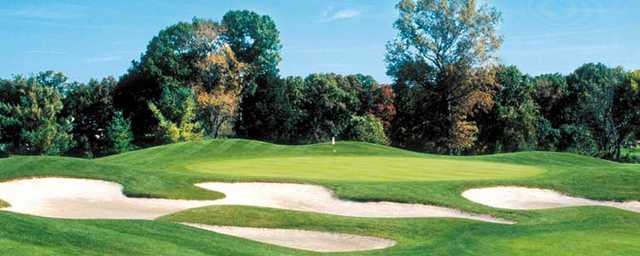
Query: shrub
{"points": [[367, 129]]}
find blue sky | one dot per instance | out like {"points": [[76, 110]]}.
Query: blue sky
{"points": [[93, 39]]}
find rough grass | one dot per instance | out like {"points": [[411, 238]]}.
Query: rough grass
{"points": [[355, 171]]}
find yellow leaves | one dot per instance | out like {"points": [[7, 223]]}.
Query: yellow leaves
{"points": [[635, 81], [217, 107], [463, 135], [186, 130]]}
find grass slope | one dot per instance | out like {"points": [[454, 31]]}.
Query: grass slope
{"points": [[356, 171]]}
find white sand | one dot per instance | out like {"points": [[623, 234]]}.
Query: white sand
{"points": [[303, 239], [312, 198], [520, 198], [93, 199], [84, 199]]}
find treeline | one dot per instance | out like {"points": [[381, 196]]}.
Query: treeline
{"points": [[220, 79]]}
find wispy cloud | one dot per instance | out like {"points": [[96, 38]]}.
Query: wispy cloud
{"points": [[45, 52], [51, 12], [102, 59], [343, 14]]}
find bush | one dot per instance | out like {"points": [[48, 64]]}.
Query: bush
{"points": [[366, 129]]}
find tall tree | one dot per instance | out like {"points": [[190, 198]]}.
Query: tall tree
{"points": [[450, 39], [328, 104], [626, 113], [185, 55], [256, 41], [592, 91], [91, 108], [30, 120], [384, 107], [517, 113], [550, 94]]}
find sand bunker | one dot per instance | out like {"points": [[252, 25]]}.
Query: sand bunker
{"points": [[84, 199], [93, 199], [311, 198], [520, 198], [303, 239]]}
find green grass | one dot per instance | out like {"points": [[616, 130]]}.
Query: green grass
{"points": [[635, 152], [575, 231], [356, 171], [351, 168]]}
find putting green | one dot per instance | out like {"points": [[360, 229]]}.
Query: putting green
{"points": [[362, 168]]}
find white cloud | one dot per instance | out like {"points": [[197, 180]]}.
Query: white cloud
{"points": [[341, 15], [49, 12], [102, 59], [45, 52]]}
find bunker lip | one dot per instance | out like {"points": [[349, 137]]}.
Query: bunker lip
{"points": [[314, 198], [316, 241], [522, 198], [73, 198]]}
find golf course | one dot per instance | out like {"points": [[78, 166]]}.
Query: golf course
{"points": [[357, 173]]}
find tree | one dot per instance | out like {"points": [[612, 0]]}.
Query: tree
{"points": [[185, 55], [367, 129], [364, 87], [327, 105], [91, 108], [263, 107], [218, 102], [440, 48], [276, 113], [384, 107], [30, 120], [119, 135], [254, 39], [550, 94], [626, 114], [517, 112], [180, 104], [55, 80], [592, 90]]}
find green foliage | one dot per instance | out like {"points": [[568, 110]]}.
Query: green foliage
{"points": [[273, 113], [327, 105], [366, 129], [177, 104], [266, 110], [52, 79], [254, 39], [30, 120], [516, 110], [119, 134], [550, 93], [185, 55], [91, 108], [592, 91], [438, 57], [626, 113]]}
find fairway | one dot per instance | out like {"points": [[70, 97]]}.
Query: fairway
{"points": [[354, 171]]}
